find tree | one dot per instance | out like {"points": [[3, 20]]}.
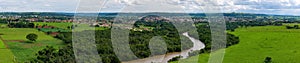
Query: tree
{"points": [[296, 26], [289, 27], [53, 55], [46, 55], [32, 37], [268, 60]]}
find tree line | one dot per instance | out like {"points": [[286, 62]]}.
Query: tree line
{"points": [[204, 35], [21, 25]]}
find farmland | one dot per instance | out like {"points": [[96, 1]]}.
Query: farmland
{"points": [[20, 34], [59, 25], [2, 45], [5, 54], [14, 45], [15, 39], [257, 43], [66, 27]]}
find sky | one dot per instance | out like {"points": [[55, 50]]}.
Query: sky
{"points": [[280, 7]]}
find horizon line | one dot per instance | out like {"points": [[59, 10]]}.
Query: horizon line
{"points": [[138, 12]]}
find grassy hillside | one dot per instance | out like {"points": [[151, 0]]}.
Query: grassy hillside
{"points": [[257, 43]]}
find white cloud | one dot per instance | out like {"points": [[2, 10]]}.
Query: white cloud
{"points": [[249, 6], [37, 5]]}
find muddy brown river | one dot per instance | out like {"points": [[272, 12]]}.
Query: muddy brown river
{"points": [[164, 58]]}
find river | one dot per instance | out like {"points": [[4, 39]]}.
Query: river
{"points": [[164, 58]]}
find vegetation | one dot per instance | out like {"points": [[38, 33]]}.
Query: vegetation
{"points": [[21, 33], [268, 60], [175, 58], [21, 25], [3, 25], [233, 25], [294, 27], [204, 33], [6, 56], [2, 45], [52, 55], [62, 25], [257, 43], [249, 34], [161, 28], [32, 37], [138, 41], [21, 51], [49, 30]]}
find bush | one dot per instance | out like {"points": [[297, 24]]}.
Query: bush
{"points": [[175, 58], [268, 60]]}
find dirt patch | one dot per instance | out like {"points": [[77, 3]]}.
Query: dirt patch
{"points": [[13, 40], [32, 45]]}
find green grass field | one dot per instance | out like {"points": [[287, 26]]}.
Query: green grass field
{"points": [[20, 34], [6, 56], [63, 25], [3, 25], [2, 44], [257, 43], [24, 51]]}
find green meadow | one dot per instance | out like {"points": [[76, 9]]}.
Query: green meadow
{"points": [[15, 38], [6, 56], [20, 34], [3, 25], [2, 44], [257, 43], [63, 25]]}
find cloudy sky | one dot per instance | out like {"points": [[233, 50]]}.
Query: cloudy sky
{"points": [[282, 7]]}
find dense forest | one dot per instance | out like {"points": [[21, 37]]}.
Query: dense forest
{"points": [[139, 41], [204, 33]]}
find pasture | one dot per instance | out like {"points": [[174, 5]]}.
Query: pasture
{"points": [[63, 25], [20, 34], [3, 25], [6, 56], [2, 45], [257, 43], [15, 38]]}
